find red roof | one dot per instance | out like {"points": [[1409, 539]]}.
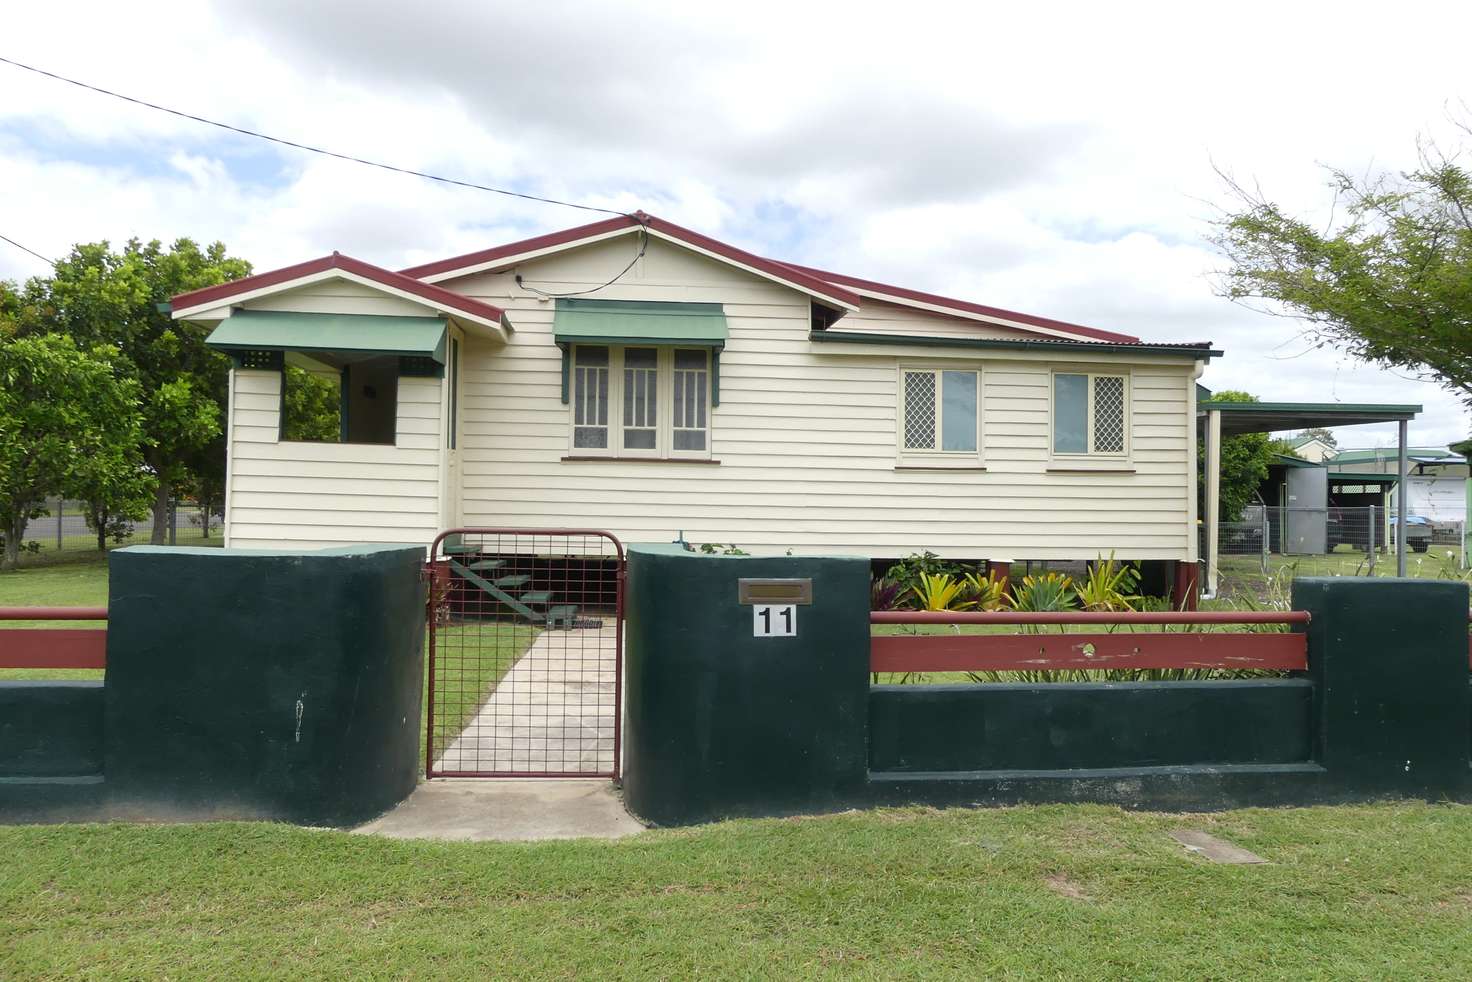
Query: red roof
{"points": [[835, 285], [781, 271], [969, 307], [438, 296]]}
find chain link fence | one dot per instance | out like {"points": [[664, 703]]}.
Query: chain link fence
{"points": [[1274, 542], [65, 528]]}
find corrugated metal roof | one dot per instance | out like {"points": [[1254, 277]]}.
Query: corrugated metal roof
{"points": [[636, 321], [277, 330]]}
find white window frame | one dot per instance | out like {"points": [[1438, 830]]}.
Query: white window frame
{"points": [[663, 448], [1089, 453], [935, 455]]}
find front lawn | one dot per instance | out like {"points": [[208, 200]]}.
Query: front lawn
{"points": [[1055, 892]]}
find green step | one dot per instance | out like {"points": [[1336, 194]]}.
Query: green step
{"points": [[563, 613], [535, 597], [487, 564], [518, 579], [457, 549]]}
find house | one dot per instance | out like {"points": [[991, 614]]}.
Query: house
{"points": [[1436, 482], [1311, 448], [643, 378]]}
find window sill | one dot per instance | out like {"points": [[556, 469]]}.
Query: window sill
{"points": [[938, 466], [1091, 467], [586, 458]]}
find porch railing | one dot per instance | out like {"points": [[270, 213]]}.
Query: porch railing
{"points": [[954, 652], [49, 647]]}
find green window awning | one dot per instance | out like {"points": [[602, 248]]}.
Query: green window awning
{"points": [[351, 336], [699, 325]]}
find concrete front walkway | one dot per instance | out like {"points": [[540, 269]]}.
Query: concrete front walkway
{"points": [[508, 810], [551, 713]]}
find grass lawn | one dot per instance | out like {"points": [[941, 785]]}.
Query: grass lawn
{"points": [[472, 659], [1059, 892], [1242, 576]]}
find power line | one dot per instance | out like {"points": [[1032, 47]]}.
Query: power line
{"points": [[48, 262], [303, 146]]}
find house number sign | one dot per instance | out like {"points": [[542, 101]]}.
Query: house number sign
{"points": [[774, 604], [774, 620]]}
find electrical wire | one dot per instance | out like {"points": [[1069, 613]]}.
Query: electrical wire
{"points": [[48, 262], [308, 147], [643, 244]]}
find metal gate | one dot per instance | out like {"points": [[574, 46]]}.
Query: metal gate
{"points": [[525, 653]]}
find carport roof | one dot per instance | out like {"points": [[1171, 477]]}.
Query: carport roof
{"points": [[1273, 417]]}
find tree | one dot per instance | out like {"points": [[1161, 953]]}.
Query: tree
{"points": [[1244, 462], [101, 297], [67, 422], [312, 406], [1320, 433], [1389, 282]]}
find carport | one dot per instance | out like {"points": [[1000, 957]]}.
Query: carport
{"points": [[1218, 419]]}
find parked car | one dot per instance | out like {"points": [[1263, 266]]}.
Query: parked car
{"points": [[1418, 532]]}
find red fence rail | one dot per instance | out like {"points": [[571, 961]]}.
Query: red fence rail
{"points": [[53, 647], [1051, 652]]}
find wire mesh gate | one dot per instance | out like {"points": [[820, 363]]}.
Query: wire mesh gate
{"points": [[525, 653]]}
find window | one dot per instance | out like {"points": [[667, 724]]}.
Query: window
{"points": [[590, 398], [1090, 414], [354, 403], [691, 384], [641, 401], [939, 412]]}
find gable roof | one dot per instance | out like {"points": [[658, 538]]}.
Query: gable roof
{"points": [[331, 267], [514, 252], [965, 308], [835, 288], [1304, 439]]}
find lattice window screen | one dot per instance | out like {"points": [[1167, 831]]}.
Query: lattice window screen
{"points": [[1109, 414], [919, 410]]}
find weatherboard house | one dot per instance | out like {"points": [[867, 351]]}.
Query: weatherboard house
{"points": [[635, 376]]}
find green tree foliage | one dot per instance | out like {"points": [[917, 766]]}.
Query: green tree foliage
{"points": [[1323, 434], [313, 406], [68, 423], [1245, 459], [101, 297], [1389, 282]]}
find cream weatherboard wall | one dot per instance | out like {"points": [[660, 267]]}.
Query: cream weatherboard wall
{"points": [[805, 436], [300, 495]]}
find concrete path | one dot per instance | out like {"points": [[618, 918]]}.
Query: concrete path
{"points": [[508, 810], [551, 713]]}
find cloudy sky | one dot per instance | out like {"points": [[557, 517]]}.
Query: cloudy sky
{"points": [[1057, 160]]}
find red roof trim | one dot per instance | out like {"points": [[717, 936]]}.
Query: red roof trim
{"points": [[438, 296], [834, 285], [534, 244], [974, 308], [782, 271]]}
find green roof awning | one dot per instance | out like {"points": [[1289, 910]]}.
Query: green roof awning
{"points": [[1277, 417], [349, 336], [701, 325]]}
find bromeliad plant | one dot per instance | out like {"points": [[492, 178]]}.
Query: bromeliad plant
{"points": [[1044, 591], [941, 591], [987, 592], [885, 594], [1110, 585]]}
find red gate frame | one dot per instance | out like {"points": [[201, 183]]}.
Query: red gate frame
{"points": [[431, 568]]}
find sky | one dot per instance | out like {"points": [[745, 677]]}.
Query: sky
{"points": [[1060, 160]]}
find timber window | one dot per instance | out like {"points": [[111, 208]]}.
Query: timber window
{"points": [[641, 401], [940, 411], [1090, 414]]}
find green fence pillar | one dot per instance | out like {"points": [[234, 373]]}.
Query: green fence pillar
{"points": [[1388, 658], [723, 722], [263, 684]]}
